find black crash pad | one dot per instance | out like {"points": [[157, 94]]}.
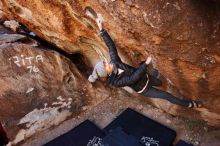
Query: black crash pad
{"points": [[117, 137], [85, 134], [183, 143], [146, 130]]}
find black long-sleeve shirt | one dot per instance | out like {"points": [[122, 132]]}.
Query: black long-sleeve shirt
{"points": [[135, 78]]}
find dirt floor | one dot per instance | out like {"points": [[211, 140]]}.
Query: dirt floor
{"points": [[189, 130]]}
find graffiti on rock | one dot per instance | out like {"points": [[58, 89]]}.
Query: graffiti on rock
{"points": [[28, 61]]}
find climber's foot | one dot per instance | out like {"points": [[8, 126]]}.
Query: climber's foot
{"points": [[195, 104]]}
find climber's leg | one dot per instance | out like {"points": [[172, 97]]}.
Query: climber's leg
{"points": [[153, 81], [156, 93], [155, 73]]}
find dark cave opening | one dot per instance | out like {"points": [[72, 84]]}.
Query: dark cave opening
{"points": [[82, 63]]}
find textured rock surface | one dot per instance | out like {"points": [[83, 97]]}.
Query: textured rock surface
{"points": [[2, 14], [183, 37], [39, 87], [211, 138]]}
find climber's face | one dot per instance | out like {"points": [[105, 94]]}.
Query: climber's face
{"points": [[108, 67]]}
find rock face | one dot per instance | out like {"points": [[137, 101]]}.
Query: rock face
{"points": [[2, 14], [39, 87], [183, 37], [209, 138]]}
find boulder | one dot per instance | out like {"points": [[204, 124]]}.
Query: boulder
{"points": [[40, 88], [182, 36]]}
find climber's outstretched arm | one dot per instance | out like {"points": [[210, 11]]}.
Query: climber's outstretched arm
{"points": [[108, 41], [111, 46]]}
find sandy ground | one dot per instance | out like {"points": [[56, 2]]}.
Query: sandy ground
{"points": [[189, 130]]}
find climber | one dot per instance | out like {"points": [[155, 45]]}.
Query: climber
{"points": [[120, 74], [3, 137]]}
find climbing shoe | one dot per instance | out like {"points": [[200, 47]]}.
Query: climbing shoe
{"points": [[195, 104]]}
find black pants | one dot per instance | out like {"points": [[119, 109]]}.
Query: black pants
{"points": [[157, 93]]}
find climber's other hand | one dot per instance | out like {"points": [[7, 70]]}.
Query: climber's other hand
{"points": [[108, 67], [148, 60]]}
